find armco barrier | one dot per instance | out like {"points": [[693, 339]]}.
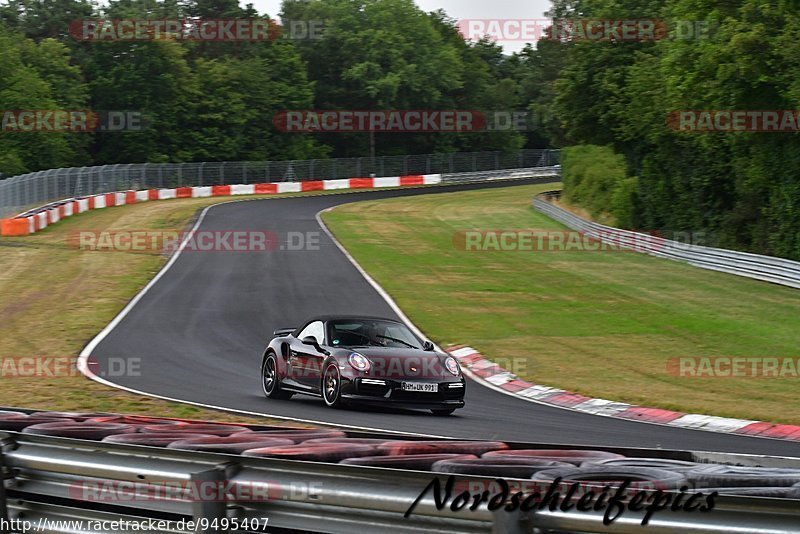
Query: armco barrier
{"points": [[40, 218], [55, 478], [766, 268]]}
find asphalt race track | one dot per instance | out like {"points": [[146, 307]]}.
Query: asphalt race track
{"points": [[200, 332]]}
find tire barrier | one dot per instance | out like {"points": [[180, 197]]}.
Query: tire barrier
{"points": [[136, 420], [235, 444], [778, 493], [729, 476], [332, 453], [396, 448], [794, 492], [152, 439], [414, 462], [19, 422], [353, 441], [657, 463], [576, 457], [73, 416], [642, 478], [300, 435], [523, 468], [6, 413], [79, 430], [199, 428]]}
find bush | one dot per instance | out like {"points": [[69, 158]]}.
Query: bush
{"points": [[595, 178]]}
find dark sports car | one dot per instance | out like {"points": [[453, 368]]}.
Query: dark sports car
{"points": [[361, 359]]}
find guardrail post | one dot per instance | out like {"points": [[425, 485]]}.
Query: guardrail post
{"points": [[203, 509], [511, 522], [4, 524]]}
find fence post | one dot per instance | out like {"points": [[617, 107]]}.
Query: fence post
{"points": [[200, 178], [222, 173], [209, 509], [511, 522], [5, 527]]}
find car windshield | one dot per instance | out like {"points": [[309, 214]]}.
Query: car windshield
{"points": [[354, 333]]}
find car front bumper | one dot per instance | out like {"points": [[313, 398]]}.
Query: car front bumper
{"points": [[449, 394]]}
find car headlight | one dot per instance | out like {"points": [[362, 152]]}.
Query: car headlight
{"points": [[359, 362], [452, 365]]}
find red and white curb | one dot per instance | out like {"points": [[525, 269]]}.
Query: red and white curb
{"points": [[40, 218], [496, 377]]}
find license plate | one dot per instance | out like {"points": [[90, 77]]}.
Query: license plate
{"points": [[420, 386]]}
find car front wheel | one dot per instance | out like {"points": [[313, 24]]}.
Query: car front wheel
{"points": [[332, 386], [270, 381]]}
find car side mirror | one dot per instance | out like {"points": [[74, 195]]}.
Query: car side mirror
{"points": [[428, 346], [312, 341]]}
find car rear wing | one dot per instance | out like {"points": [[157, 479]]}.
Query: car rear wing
{"points": [[280, 332]]}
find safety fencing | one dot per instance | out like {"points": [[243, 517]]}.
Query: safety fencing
{"points": [[766, 268], [41, 217], [22, 192], [185, 476]]}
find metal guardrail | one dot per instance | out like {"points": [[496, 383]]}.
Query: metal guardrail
{"points": [[44, 471], [767, 268], [25, 191]]}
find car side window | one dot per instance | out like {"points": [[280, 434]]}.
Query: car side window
{"points": [[315, 330]]}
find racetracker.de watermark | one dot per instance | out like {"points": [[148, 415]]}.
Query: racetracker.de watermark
{"points": [[73, 121], [584, 29], [49, 367], [120, 492], [535, 240], [163, 241], [212, 30], [754, 120], [405, 121], [734, 367]]}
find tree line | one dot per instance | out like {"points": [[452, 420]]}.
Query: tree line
{"points": [[216, 101], [609, 99], [740, 187]]}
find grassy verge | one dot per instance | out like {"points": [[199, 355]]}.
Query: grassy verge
{"points": [[55, 298], [604, 324]]}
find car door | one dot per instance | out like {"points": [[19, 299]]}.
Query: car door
{"points": [[305, 362]]}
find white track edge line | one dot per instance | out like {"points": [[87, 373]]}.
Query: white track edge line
{"points": [[84, 355], [392, 304]]}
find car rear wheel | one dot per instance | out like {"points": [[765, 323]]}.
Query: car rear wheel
{"points": [[332, 386], [448, 411], [270, 381]]}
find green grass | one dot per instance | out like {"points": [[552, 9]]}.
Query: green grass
{"points": [[599, 323], [55, 298]]}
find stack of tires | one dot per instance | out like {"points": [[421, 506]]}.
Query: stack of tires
{"points": [[472, 458]]}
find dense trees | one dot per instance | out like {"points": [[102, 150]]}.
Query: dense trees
{"points": [[213, 101], [741, 186], [207, 101]]}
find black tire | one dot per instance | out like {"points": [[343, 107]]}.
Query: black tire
{"points": [[729, 476], [444, 412], [271, 383], [776, 493], [657, 463], [641, 478], [498, 467], [332, 385]]}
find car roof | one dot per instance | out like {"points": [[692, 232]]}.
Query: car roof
{"points": [[328, 318]]}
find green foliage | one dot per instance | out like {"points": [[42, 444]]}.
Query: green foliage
{"points": [[741, 187], [595, 178]]}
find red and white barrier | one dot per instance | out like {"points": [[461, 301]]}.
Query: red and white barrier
{"points": [[492, 375], [52, 213]]}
